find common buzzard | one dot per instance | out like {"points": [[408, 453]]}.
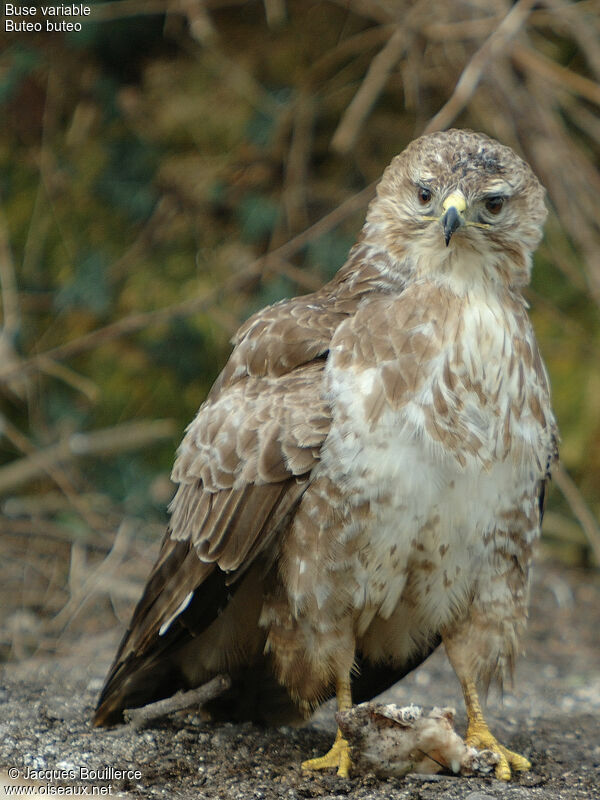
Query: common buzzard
{"points": [[366, 477]]}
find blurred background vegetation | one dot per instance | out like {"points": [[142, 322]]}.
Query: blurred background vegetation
{"points": [[178, 164]]}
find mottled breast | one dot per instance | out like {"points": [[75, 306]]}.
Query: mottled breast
{"points": [[440, 417]]}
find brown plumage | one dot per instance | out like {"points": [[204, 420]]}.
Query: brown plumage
{"points": [[364, 478]]}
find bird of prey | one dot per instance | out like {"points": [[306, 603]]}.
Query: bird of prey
{"points": [[366, 477]]}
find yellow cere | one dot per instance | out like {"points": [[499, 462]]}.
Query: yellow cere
{"points": [[456, 199]]}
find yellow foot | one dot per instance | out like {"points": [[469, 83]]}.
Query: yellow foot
{"points": [[479, 736], [338, 756]]}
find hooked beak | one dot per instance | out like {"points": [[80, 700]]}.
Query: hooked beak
{"points": [[452, 218]]}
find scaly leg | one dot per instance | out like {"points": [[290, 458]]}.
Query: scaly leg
{"points": [[479, 736], [339, 755]]}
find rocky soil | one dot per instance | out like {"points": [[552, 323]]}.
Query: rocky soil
{"points": [[552, 716]]}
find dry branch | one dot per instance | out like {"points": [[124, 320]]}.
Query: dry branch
{"points": [[579, 508], [8, 284], [122, 9], [238, 282], [495, 44], [372, 86], [565, 529], [307, 281], [529, 59], [54, 471], [379, 12], [47, 529], [275, 12], [296, 171], [582, 20], [178, 702], [465, 29], [68, 376], [198, 19], [120, 439], [99, 580], [355, 45]]}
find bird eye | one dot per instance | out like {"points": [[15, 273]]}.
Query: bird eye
{"points": [[494, 204], [424, 195]]}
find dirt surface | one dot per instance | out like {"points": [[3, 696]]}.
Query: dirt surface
{"points": [[552, 717]]}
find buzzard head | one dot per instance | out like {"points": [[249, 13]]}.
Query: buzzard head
{"points": [[458, 204]]}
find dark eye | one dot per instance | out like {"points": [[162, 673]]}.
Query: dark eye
{"points": [[424, 195], [494, 204]]}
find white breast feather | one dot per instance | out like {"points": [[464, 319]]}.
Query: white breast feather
{"points": [[419, 493]]}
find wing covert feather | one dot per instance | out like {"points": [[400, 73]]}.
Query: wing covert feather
{"points": [[241, 469]]}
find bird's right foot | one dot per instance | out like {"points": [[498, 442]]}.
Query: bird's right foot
{"points": [[338, 757]]}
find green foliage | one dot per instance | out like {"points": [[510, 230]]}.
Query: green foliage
{"points": [[185, 350], [257, 217], [128, 481], [261, 129], [22, 61], [329, 252], [279, 289], [89, 287], [126, 182]]}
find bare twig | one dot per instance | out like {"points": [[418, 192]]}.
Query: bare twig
{"points": [[550, 147], [123, 327], [98, 581], [380, 12], [549, 70], [582, 21], [579, 114], [465, 29], [579, 508], [238, 282], [349, 127], [275, 12], [199, 22], [121, 438], [563, 529], [180, 701], [8, 283], [121, 9], [495, 44], [54, 471], [305, 279], [359, 43], [294, 190], [78, 382], [325, 224], [10, 312], [49, 530], [483, 26]]}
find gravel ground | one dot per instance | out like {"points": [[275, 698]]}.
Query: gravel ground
{"points": [[552, 717]]}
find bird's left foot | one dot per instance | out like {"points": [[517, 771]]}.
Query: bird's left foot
{"points": [[480, 737], [338, 757]]}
